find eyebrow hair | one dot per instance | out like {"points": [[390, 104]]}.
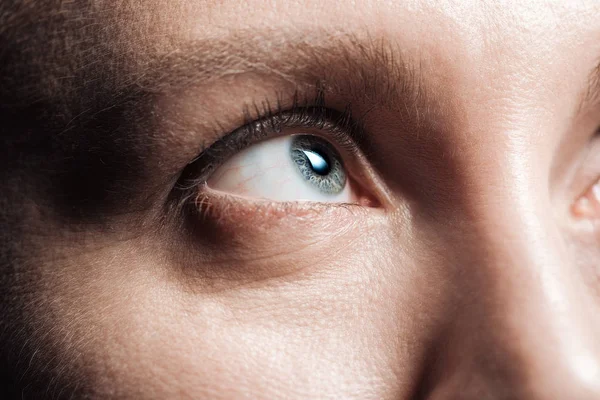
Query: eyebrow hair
{"points": [[374, 71]]}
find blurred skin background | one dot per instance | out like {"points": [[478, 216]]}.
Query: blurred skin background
{"points": [[300, 199]]}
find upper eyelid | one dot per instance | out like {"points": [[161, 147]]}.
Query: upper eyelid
{"points": [[348, 134]]}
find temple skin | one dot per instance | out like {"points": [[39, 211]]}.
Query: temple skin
{"points": [[471, 269]]}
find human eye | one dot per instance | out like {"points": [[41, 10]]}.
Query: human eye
{"points": [[308, 153], [298, 167]]}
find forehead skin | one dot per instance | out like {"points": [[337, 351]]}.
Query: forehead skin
{"points": [[465, 287]]}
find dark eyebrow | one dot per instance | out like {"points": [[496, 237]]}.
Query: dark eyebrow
{"points": [[97, 105], [371, 70]]}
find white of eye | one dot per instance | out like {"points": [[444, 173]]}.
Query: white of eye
{"points": [[287, 168]]}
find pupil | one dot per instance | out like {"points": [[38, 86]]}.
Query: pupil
{"points": [[318, 162]]}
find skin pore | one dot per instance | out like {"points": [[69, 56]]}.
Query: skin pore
{"points": [[465, 263]]}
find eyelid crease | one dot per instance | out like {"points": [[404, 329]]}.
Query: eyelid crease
{"points": [[264, 121]]}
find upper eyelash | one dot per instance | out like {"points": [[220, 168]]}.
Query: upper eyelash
{"points": [[263, 120]]}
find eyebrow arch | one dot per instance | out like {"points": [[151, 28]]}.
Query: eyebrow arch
{"points": [[371, 70]]}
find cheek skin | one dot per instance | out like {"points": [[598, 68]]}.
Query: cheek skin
{"points": [[260, 239], [297, 319], [281, 301]]}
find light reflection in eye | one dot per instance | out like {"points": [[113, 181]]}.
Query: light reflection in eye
{"points": [[319, 163], [289, 168]]}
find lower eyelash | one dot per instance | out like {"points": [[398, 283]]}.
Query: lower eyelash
{"points": [[231, 209]]}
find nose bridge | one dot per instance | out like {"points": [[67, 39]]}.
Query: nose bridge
{"points": [[526, 321]]}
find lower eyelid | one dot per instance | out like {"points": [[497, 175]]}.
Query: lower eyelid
{"points": [[229, 206], [248, 241], [260, 220]]}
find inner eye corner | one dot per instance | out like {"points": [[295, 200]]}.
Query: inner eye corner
{"points": [[587, 205]]}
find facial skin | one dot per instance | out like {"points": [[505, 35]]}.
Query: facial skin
{"points": [[467, 266]]}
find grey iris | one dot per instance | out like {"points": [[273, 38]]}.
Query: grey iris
{"points": [[319, 163]]}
